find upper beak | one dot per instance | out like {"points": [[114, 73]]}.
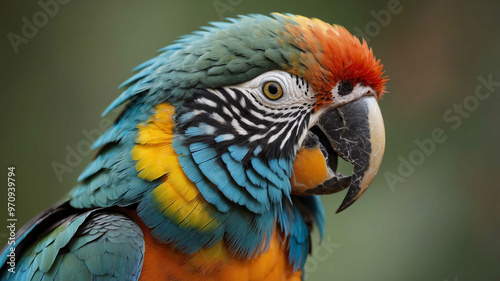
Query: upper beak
{"points": [[354, 131]]}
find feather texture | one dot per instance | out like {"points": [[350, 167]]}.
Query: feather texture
{"points": [[91, 245]]}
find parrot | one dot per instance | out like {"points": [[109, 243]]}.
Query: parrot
{"points": [[215, 166]]}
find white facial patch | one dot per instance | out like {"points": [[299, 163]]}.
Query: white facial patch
{"points": [[359, 90], [296, 90], [292, 106]]}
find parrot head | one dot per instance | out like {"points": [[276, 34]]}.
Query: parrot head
{"points": [[244, 120], [262, 89]]}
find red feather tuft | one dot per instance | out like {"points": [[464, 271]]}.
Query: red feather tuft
{"points": [[329, 54]]}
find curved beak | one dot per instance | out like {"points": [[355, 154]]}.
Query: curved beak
{"points": [[354, 131]]}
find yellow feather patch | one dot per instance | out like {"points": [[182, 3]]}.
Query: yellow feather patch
{"points": [[177, 197]]}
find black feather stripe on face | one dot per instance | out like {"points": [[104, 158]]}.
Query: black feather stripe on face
{"points": [[228, 116]]}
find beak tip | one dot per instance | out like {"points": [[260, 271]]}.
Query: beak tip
{"points": [[354, 193], [345, 204]]}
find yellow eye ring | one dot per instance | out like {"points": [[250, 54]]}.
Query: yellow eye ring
{"points": [[272, 90]]}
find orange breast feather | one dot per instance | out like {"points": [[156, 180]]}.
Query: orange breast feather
{"points": [[162, 262]]}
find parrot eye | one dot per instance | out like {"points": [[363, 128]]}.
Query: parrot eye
{"points": [[272, 90], [345, 88]]}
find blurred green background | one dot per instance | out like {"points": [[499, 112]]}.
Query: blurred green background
{"points": [[439, 223]]}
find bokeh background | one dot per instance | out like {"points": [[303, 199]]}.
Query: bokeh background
{"points": [[439, 222]]}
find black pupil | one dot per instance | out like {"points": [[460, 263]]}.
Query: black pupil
{"points": [[273, 89], [345, 88]]}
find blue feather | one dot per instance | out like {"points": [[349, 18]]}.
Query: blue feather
{"points": [[299, 241], [225, 183], [256, 179], [257, 150], [274, 193], [238, 152], [208, 190], [238, 173], [173, 47], [315, 206], [202, 153], [287, 166], [139, 75], [266, 172], [144, 65], [222, 138], [166, 231]]}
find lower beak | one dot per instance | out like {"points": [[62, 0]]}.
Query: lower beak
{"points": [[354, 131]]}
